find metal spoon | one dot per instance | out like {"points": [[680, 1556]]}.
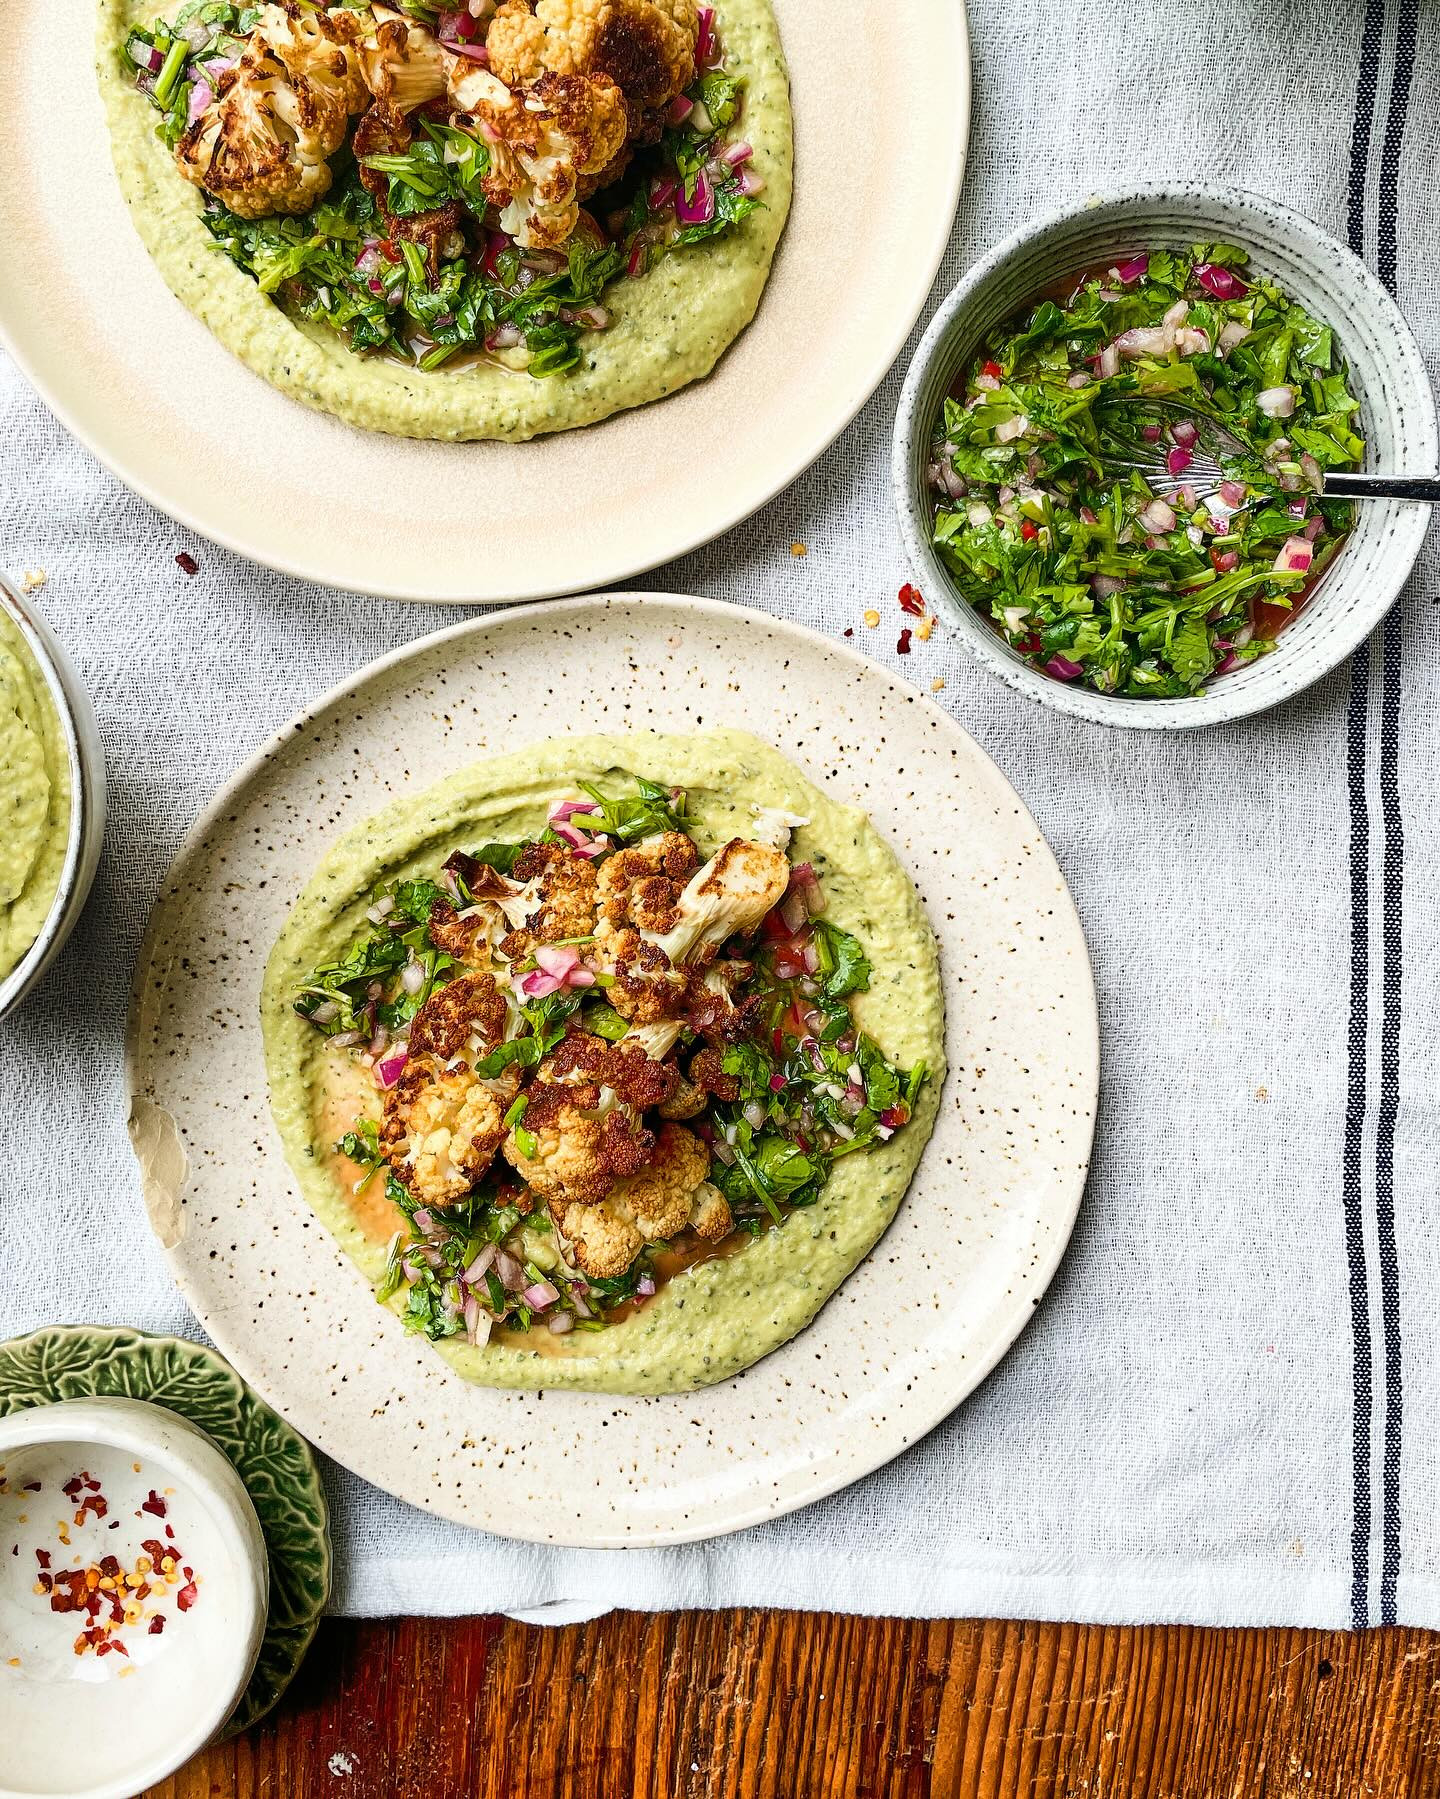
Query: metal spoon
{"points": [[1204, 473]]}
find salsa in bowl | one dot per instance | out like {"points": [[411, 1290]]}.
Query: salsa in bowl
{"points": [[1110, 477]]}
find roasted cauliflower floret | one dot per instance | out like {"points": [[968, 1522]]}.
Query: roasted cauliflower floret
{"points": [[727, 898], [467, 1014], [553, 901], [318, 46], [669, 1195], [263, 142], [403, 62], [583, 1112], [664, 979], [641, 886], [442, 1127], [661, 1197], [544, 140], [646, 47]]}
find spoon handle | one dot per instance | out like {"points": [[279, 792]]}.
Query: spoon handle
{"points": [[1383, 487]]}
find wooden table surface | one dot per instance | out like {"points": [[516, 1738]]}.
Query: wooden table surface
{"points": [[775, 1705]]}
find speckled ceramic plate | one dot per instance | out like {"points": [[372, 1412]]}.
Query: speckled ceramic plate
{"points": [[913, 1329], [84, 1361], [144, 384]]}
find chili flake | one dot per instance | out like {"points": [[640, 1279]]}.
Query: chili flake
{"points": [[188, 563], [912, 601], [903, 646]]}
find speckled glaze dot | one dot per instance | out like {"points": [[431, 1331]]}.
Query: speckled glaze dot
{"points": [[1388, 375], [913, 1330]]}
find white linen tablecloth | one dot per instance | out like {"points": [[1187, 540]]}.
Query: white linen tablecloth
{"points": [[1225, 1409]]}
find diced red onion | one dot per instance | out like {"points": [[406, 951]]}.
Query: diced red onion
{"points": [[1312, 472], [750, 184], [754, 1114], [1063, 668], [706, 43], [662, 194], [1186, 433], [1109, 362], [1178, 460], [1146, 340], [512, 1276], [561, 1322], [200, 97], [1009, 429], [778, 1083], [1314, 529], [1216, 279], [700, 209], [391, 1067], [412, 977], [1296, 555], [473, 52], [1231, 661], [1231, 334], [424, 1220], [1079, 379], [1233, 494], [680, 109], [1102, 586], [1158, 517], [645, 1286], [793, 911], [735, 154], [1276, 402], [812, 958], [1126, 273], [724, 1153], [476, 1271], [346, 1039], [153, 61], [1243, 636], [1226, 561], [504, 337], [562, 814], [539, 1295], [1151, 433]]}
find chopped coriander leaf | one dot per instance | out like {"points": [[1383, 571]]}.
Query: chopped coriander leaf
{"points": [[648, 811]]}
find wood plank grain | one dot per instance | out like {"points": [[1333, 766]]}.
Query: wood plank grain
{"points": [[775, 1705]]}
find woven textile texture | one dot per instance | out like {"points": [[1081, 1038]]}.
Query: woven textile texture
{"points": [[1224, 1410]]}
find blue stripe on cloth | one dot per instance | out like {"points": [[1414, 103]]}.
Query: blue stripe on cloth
{"points": [[1393, 890], [1357, 734]]}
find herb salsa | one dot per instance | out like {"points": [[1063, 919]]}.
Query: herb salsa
{"points": [[1079, 563]]}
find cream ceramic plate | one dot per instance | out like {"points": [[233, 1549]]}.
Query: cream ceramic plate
{"points": [[913, 1329], [881, 96]]}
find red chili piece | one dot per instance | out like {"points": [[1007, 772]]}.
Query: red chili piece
{"points": [[912, 601], [994, 371], [188, 563], [1029, 530], [903, 646]]}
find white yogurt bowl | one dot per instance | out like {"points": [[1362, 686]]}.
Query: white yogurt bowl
{"points": [[1388, 376], [85, 1485], [86, 758]]}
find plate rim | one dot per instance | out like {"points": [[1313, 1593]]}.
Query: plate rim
{"points": [[815, 1486], [604, 569]]}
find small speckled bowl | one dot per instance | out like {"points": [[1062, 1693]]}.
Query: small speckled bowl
{"points": [[95, 1484], [87, 785], [1397, 421]]}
